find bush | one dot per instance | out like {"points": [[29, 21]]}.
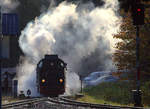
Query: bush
{"points": [[117, 92], [145, 87]]}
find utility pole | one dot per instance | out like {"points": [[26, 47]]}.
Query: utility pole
{"points": [[80, 77], [137, 92], [81, 82], [138, 57]]}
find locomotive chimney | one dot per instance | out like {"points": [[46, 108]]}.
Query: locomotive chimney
{"points": [[51, 56]]}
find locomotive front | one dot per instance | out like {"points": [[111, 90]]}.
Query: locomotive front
{"points": [[51, 76]]}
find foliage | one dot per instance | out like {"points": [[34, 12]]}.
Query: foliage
{"points": [[119, 93], [145, 93], [125, 54]]}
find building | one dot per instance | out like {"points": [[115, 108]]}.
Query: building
{"points": [[10, 50]]}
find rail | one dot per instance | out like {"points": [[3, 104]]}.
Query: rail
{"points": [[23, 102], [65, 101]]}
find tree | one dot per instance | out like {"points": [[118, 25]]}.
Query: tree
{"points": [[125, 54]]}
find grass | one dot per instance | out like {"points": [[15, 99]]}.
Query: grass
{"points": [[117, 93], [8, 99], [146, 93], [91, 99]]}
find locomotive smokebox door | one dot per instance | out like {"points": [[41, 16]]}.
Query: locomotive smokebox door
{"points": [[51, 75]]}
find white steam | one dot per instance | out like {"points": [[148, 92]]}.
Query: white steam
{"points": [[73, 33], [73, 83], [8, 5], [27, 73]]}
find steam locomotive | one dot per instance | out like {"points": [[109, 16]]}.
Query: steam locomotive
{"points": [[50, 76]]}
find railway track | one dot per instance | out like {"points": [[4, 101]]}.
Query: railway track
{"points": [[60, 103], [23, 103], [81, 105]]}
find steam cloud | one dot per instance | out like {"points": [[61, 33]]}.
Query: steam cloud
{"points": [[81, 35], [8, 5]]}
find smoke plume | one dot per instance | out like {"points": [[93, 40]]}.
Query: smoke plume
{"points": [[81, 35], [73, 83], [27, 72], [8, 5]]}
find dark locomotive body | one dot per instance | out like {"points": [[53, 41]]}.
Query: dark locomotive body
{"points": [[51, 76]]}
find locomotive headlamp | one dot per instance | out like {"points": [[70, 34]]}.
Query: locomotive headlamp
{"points": [[43, 80], [60, 80]]}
